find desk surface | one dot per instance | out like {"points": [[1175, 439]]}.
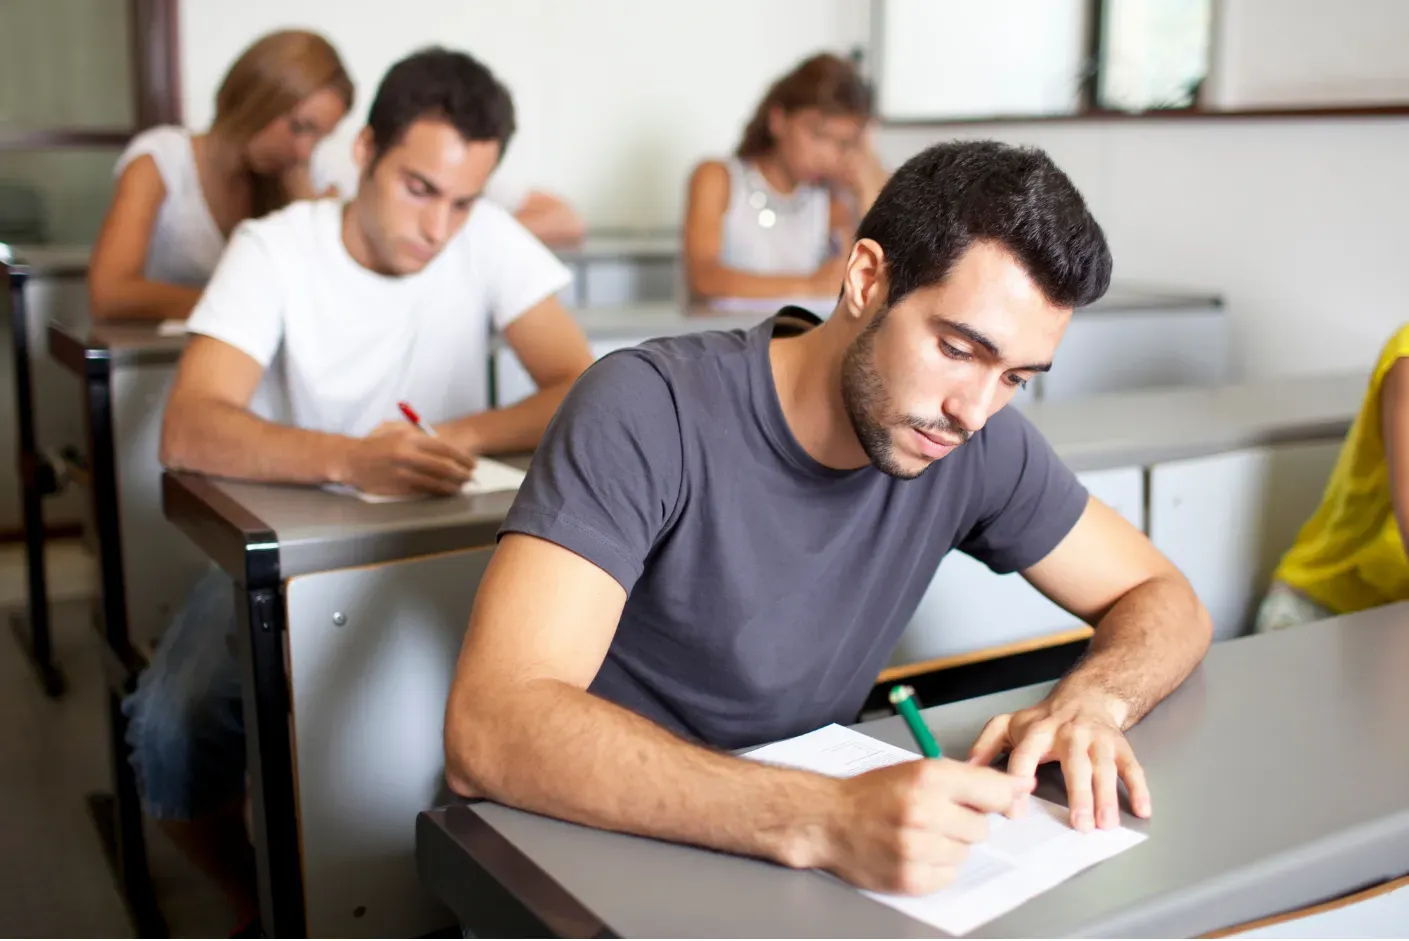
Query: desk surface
{"points": [[49, 261], [317, 531], [122, 344], [622, 245], [1277, 773], [1154, 425]]}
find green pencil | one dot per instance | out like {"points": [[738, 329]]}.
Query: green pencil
{"points": [[903, 699]]}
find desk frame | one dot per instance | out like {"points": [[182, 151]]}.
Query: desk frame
{"points": [[267, 698], [116, 815], [36, 480]]}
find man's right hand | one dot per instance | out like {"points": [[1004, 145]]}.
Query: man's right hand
{"points": [[906, 828], [398, 459]]}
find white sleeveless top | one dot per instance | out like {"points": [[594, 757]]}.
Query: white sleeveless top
{"points": [[768, 233], [186, 242]]}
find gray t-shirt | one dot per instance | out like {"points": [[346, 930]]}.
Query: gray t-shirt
{"points": [[765, 591]]}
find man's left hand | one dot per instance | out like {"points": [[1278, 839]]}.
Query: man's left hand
{"points": [[1085, 736]]}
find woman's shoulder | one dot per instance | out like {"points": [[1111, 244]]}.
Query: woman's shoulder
{"points": [[167, 144]]}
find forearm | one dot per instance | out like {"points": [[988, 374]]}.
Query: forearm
{"points": [[555, 225], [1143, 648], [143, 300], [554, 749], [715, 280], [213, 437], [518, 427]]}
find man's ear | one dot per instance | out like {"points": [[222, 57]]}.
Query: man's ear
{"points": [[362, 149], [865, 283]]}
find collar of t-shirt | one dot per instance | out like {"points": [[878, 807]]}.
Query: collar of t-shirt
{"points": [[768, 409]]}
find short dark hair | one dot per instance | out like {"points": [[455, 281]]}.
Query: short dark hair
{"points": [[946, 198], [441, 84]]}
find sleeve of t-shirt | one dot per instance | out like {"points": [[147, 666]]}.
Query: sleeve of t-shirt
{"points": [[1030, 499], [164, 145], [606, 478], [520, 270], [242, 304]]}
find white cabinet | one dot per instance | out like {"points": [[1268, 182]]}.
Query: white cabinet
{"points": [[1226, 520], [968, 607]]}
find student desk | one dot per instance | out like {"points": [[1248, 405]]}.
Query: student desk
{"points": [[622, 267], [351, 616], [145, 567], [36, 281], [1277, 773], [1220, 478]]}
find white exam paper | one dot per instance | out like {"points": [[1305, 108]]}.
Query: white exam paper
{"points": [[1021, 859], [489, 477]]}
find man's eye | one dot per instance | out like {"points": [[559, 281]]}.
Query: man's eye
{"points": [[953, 352]]}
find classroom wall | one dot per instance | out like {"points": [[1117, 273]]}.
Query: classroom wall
{"points": [[616, 99], [1299, 224]]}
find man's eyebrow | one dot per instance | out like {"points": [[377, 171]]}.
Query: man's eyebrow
{"points": [[983, 340], [435, 190]]}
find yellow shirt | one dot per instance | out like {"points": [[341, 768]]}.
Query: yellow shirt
{"points": [[1349, 556]]}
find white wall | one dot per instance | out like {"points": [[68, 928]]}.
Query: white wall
{"points": [[1300, 225], [1293, 53], [616, 99]]}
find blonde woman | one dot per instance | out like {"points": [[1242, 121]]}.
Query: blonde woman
{"points": [[179, 194]]}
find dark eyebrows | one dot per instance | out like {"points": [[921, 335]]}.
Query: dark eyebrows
{"points": [[987, 343]]}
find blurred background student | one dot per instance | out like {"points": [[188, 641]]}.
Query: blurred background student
{"points": [[775, 219], [179, 195], [1350, 555]]}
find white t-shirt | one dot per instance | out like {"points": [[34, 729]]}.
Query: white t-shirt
{"points": [[186, 242], [341, 345]]}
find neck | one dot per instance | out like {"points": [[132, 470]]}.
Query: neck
{"points": [[354, 239], [776, 173], [807, 373]]}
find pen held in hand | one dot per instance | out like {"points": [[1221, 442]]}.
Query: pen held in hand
{"points": [[415, 419], [903, 699]]}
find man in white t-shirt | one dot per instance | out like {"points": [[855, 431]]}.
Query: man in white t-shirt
{"points": [[319, 319]]}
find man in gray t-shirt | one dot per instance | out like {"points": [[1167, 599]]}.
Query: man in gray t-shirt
{"points": [[723, 535]]}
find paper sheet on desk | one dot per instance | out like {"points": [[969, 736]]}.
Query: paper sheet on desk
{"points": [[171, 328], [1021, 859], [490, 477]]}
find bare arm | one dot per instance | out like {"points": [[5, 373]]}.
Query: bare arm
{"points": [[704, 235], [208, 428], [552, 348], [550, 219], [520, 728], [1151, 631], [117, 287], [1394, 430]]}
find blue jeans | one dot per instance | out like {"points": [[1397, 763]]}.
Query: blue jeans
{"points": [[185, 723]]}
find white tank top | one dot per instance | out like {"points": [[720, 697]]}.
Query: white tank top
{"points": [[768, 233], [186, 242]]}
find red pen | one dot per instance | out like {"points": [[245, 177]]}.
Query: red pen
{"points": [[415, 419]]}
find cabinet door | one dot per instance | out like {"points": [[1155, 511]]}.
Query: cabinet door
{"points": [[969, 608], [1226, 520]]}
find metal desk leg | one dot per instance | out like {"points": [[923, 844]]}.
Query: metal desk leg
{"points": [[269, 742], [34, 638], [117, 816]]}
